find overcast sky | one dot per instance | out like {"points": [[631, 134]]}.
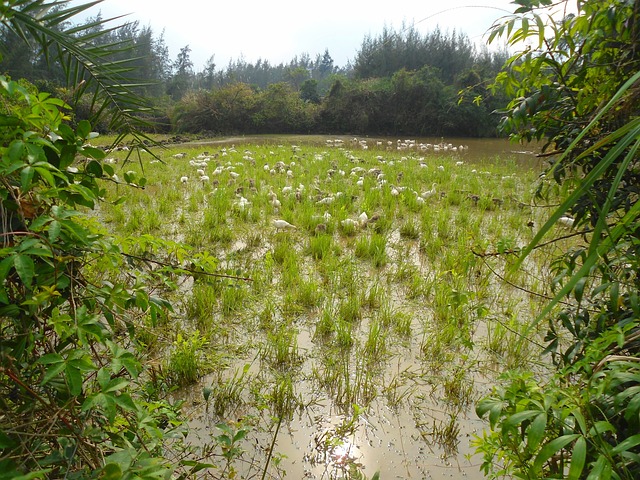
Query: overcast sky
{"points": [[278, 30]]}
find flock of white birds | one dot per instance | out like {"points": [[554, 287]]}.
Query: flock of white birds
{"points": [[202, 164], [205, 174]]}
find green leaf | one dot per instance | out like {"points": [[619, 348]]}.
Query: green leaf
{"points": [[5, 266], [626, 444], [93, 152], [540, 23], [54, 231], [4, 298], [535, 433], [126, 402], [9, 120], [94, 168], [50, 358], [551, 448], [74, 380], [25, 268], [6, 441], [518, 418], [84, 129], [115, 385], [46, 174], [601, 470], [104, 377], [108, 169], [578, 458], [67, 133], [26, 177], [111, 471], [53, 371], [240, 434], [16, 151]]}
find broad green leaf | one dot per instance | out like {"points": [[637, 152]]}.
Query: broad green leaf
{"points": [[103, 378], [74, 380], [5, 266], [626, 444], [536, 430], [53, 371], [50, 358], [4, 298], [54, 231], [9, 120], [6, 441], [240, 434], [578, 458], [551, 448], [26, 177], [518, 418], [125, 402], [93, 152], [111, 471], [67, 133], [25, 268], [46, 174], [115, 385], [16, 151], [94, 168], [84, 129]]}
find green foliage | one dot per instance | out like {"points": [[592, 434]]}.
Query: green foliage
{"points": [[406, 49], [66, 377], [125, 78], [578, 90], [97, 66], [186, 362]]}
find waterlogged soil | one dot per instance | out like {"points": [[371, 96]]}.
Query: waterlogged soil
{"points": [[349, 357]]}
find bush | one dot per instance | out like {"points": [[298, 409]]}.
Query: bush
{"points": [[67, 376]]}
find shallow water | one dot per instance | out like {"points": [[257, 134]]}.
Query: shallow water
{"points": [[480, 150], [416, 420]]}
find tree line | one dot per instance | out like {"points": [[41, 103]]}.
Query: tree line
{"points": [[401, 82]]}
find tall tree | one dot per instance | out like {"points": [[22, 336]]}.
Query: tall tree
{"points": [[183, 77]]}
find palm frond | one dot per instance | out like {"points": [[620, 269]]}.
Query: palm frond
{"points": [[104, 71]]}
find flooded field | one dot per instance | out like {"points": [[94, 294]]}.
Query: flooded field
{"points": [[366, 298]]}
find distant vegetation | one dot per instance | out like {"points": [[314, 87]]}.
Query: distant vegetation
{"points": [[401, 83]]}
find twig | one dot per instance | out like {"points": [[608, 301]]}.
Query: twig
{"points": [[273, 444], [197, 272], [513, 251]]}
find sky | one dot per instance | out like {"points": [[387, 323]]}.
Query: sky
{"points": [[279, 30]]}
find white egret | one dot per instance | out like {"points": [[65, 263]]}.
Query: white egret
{"points": [[282, 224], [566, 221], [428, 193], [325, 201], [348, 222]]}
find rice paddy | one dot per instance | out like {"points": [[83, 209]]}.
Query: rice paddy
{"points": [[356, 319]]}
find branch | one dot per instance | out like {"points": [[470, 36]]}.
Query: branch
{"points": [[189, 270]]}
